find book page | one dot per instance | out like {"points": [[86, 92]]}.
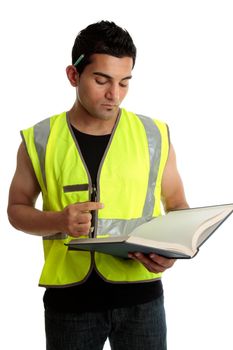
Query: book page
{"points": [[208, 227], [177, 227]]}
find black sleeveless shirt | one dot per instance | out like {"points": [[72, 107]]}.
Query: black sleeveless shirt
{"points": [[95, 294]]}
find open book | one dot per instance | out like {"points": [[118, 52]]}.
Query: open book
{"points": [[178, 234]]}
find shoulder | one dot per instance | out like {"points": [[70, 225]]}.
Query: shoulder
{"points": [[153, 126], [48, 121], [144, 118]]}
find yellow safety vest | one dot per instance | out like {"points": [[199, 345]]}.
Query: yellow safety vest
{"points": [[128, 183]]}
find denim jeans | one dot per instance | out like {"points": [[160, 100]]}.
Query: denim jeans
{"points": [[136, 327]]}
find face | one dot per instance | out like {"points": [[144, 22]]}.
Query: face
{"points": [[103, 85]]}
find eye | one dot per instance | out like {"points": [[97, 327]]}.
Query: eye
{"points": [[124, 85], [101, 81]]}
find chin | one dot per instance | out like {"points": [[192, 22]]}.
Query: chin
{"points": [[107, 115]]}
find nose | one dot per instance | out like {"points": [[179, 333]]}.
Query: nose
{"points": [[113, 93]]}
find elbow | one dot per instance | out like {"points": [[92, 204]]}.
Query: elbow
{"points": [[176, 205], [12, 217]]}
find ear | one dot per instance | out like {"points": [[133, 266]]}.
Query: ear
{"points": [[72, 75]]}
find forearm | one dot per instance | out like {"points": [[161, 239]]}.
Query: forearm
{"points": [[31, 220]]}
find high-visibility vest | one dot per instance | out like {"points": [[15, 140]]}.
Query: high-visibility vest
{"points": [[128, 183]]}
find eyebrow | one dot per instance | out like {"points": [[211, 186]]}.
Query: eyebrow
{"points": [[109, 76]]}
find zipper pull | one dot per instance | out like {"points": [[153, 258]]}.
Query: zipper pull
{"points": [[93, 193]]}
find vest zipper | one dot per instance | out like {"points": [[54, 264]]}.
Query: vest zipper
{"points": [[93, 188], [93, 213]]}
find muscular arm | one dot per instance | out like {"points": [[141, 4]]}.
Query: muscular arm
{"points": [[24, 190], [173, 196]]}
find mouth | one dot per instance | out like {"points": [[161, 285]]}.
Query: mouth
{"points": [[108, 108], [108, 105]]}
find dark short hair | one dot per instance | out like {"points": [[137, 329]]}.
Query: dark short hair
{"points": [[102, 37]]}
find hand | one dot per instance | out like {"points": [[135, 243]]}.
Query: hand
{"points": [[153, 263], [76, 218]]}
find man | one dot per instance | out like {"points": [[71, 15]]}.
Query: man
{"points": [[101, 170]]}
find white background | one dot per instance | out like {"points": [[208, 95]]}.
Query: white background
{"points": [[184, 76]]}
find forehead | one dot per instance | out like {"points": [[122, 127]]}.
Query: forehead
{"points": [[110, 65]]}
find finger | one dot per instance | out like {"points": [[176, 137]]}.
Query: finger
{"points": [[162, 261], [149, 264], [140, 258], [89, 206], [81, 229], [83, 218]]}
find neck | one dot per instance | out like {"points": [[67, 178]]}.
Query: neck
{"points": [[88, 124]]}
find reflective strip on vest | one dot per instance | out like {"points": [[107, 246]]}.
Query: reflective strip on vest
{"points": [[41, 135], [113, 227]]}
